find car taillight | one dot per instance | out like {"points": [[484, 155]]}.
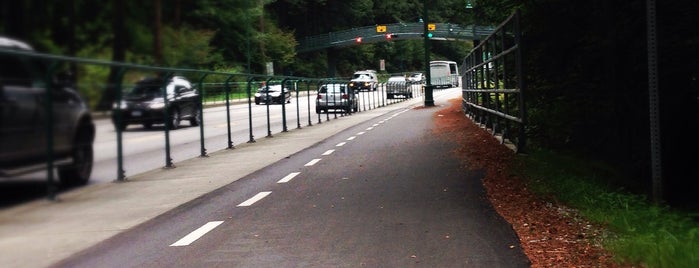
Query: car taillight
{"points": [[345, 96], [320, 97]]}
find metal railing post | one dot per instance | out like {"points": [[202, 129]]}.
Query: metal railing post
{"points": [[228, 111], [201, 117]]}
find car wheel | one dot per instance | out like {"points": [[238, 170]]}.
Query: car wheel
{"points": [[354, 109], [147, 125], [78, 173], [196, 118], [318, 110], [174, 119]]}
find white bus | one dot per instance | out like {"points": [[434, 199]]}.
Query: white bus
{"points": [[444, 74]]}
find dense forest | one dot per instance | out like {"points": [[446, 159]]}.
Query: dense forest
{"points": [[586, 62]]}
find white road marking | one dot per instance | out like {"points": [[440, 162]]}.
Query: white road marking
{"points": [[369, 128], [375, 125], [351, 138], [361, 133], [340, 144], [312, 162], [328, 152], [196, 234], [289, 177], [254, 199]]}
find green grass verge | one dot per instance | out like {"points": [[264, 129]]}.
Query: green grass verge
{"points": [[640, 232]]}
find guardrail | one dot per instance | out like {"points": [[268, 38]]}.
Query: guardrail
{"points": [[493, 83], [217, 88]]}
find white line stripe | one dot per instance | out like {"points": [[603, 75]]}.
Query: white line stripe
{"points": [[312, 162], [351, 138], [288, 177], [196, 234], [360, 133], [369, 128], [340, 144], [328, 152], [375, 125], [254, 199]]}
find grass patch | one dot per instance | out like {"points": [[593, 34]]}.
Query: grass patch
{"points": [[640, 232]]}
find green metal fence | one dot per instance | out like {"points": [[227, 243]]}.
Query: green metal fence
{"points": [[216, 88], [493, 83]]}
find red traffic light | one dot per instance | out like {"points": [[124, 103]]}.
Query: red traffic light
{"points": [[358, 39], [389, 36]]}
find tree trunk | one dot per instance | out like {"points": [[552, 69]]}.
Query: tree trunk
{"points": [[118, 55], [157, 35]]}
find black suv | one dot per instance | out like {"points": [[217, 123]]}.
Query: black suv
{"points": [[145, 104], [24, 119]]}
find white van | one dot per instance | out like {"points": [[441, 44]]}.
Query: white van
{"points": [[364, 80], [444, 74]]}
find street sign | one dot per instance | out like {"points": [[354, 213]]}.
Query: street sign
{"points": [[431, 26], [380, 28]]}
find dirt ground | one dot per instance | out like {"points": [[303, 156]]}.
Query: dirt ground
{"points": [[550, 234]]}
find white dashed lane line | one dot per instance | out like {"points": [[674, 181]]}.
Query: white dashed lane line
{"points": [[360, 133], [288, 177], [254, 199], [328, 152], [341, 144], [312, 162], [196, 234], [351, 138]]}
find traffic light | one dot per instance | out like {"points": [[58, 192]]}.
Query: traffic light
{"points": [[358, 39], [430, 27], [389, 36]]}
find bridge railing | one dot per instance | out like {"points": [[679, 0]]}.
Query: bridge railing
{"points": [[399, 31], [493, 84]]}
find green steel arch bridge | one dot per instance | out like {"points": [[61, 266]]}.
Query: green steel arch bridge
{"points": [[395, 31]]}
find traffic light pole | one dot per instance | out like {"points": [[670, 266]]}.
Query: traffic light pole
{"points": [[429, 100]]}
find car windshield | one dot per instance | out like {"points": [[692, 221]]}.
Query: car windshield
{"points": [[272, 88], [145, 91], [361, 76], [416, 75], [333, 88]]}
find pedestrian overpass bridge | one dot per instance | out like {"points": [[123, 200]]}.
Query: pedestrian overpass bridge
{"points": [[395, 31]]}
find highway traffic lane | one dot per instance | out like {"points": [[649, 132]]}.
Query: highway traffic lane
{"points": [[144, 150], [349, 208]]}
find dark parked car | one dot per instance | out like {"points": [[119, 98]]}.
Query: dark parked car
{"points": [[24, 120], [336, 97], [272, 94], [145, 104]]}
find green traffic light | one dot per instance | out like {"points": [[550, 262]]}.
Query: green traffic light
{"points": [[429, 35]]}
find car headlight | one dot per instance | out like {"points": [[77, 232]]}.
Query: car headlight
{"points": [[115, 106], [159, 104]]}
